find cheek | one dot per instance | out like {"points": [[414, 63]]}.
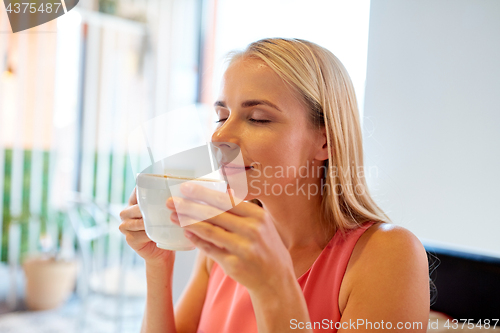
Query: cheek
{"points": [[290, 150], [281, 159], [273, 151]]}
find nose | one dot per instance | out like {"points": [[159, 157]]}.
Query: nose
{"points": [[229, 132], [225, 133], [225, 143]]}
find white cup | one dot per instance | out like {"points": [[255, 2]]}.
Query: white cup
{"points": [[153, 192]]}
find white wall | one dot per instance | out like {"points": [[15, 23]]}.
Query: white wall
{"points": [[432, 118], [340, 26]]}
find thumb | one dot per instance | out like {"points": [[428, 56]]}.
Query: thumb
{"points": [[133, 197]]}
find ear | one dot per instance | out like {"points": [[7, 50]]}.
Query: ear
{"points": [[322, 146]]}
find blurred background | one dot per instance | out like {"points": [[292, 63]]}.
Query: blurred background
{"points": [[426, 74]]}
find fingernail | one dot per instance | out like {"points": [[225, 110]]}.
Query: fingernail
{"points": [[177, 200], [174, 217]]}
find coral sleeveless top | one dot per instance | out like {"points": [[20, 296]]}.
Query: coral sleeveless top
{"points": [[228, 307]]}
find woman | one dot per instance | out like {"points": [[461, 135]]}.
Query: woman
{"points": [[317, 254]]}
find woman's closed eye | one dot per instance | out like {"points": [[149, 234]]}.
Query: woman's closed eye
{"points": [[261, 121]]}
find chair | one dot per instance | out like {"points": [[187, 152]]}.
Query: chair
{"points": [[467, 283]]}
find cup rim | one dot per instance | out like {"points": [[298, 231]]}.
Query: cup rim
{"points": [[180, 177]]}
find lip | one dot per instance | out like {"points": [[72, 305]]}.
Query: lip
{"points": [[235, 166], [231, 169]]}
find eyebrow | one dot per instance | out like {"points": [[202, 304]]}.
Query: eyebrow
{"points": [[250, 103]]}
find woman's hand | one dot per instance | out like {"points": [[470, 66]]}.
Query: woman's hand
{"points": [[243, 240], [132, 227]]}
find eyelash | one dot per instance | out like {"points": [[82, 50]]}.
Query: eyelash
{"points": [[261, 121]]}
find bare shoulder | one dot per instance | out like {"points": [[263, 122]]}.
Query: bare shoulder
{"points": [[387, 260], [386, 237], [385, 244]]}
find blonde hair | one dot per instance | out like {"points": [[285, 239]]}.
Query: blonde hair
{"points": [[326, 88]]}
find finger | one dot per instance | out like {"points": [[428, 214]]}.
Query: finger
{"points": [[217, 236], [175, 218], [132, 212], [217, 199], [131, 225], [198, 212], [132, 200], [210, 249], [137, 238]]}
